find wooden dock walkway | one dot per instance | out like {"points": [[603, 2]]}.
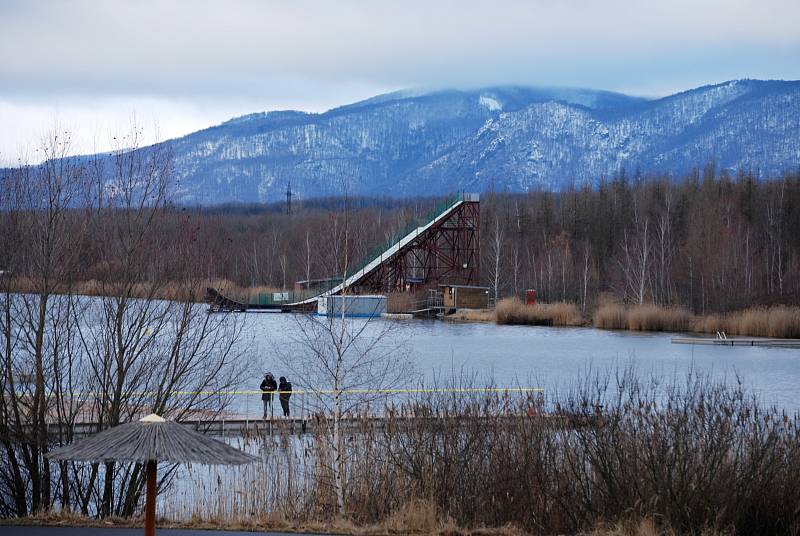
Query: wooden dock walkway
{"points": [[239, 427], [739, 341]]}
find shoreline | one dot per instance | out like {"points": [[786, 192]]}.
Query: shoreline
{"points": [[777, 321]]}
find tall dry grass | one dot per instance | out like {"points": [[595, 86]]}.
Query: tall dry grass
{"points": [[173, 290], [780, 321], [646, 317], [472, 315], [649, 317], [513, 311], [611, 316]]}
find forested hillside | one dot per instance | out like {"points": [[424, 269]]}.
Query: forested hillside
{"points": [[510, 139]]}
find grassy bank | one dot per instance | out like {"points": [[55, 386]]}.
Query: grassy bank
{"points": [[173, 290], [418, 518], [780, 321]]}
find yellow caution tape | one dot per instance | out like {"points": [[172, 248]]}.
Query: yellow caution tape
{"points": [[340, 392]]}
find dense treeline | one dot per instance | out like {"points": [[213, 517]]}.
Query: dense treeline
{"points": [[709, 242]]}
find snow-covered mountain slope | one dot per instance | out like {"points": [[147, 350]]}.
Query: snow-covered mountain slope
{"points": [[512, 138]]}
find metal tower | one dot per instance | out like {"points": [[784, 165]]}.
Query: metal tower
{"points": [[446, 250]]}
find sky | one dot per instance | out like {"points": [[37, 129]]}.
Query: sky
{"points": [[175, 66]]}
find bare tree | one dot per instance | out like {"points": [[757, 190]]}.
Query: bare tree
{"points": [[345, 366], [147, 350], [586, 257], [635, 261], [45, 235], [495, 251]]}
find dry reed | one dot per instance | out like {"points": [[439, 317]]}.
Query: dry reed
{"points": [[780, 321], [513, 311], [173, 290], [645, 317], [650, 317], [472, 315], [611, 316]]}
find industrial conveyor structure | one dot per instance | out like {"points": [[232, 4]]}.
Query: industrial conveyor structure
{"points": [[444, 250]]}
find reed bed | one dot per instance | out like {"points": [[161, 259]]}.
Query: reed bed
{"points": [[613, 456], [779, 321], [646, 317], [513, 311], [173, 290], [472, 315], [611, 316]]}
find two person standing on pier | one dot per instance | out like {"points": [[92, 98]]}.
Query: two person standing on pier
{"points": [[268, 388]]}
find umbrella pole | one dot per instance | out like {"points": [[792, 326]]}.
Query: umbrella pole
{"points": [[150, 501]]}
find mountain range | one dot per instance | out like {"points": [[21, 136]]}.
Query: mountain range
{"points": [[417, 143]]}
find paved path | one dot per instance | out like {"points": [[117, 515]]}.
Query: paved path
{"points": [[7, 530]]}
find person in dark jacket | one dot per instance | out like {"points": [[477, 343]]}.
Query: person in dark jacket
{"points": [[284, 392], [268, 387]]}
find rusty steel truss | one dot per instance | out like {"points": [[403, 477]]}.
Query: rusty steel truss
{"points": [[447, 251]]}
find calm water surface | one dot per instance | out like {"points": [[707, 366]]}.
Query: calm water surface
{"points": [[555, 357]]}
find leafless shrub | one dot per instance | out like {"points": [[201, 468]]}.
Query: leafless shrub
{"points": [[612, 449], [611, 455]]}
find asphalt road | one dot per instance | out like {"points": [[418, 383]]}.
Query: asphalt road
{"points": [[7, 530]]}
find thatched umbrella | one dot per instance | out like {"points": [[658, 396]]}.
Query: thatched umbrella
{"points": [[148, 441]]}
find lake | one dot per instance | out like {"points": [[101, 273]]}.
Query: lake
{"points": [[548, 357]]}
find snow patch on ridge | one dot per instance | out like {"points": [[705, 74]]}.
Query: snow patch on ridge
{"points": [[490, 103]]}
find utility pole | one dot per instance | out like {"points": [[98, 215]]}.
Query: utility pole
{"points": [[289, 197]]}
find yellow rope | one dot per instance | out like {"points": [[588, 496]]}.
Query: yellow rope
{"points": [[343, 392]]}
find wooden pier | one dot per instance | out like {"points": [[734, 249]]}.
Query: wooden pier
{"points": [[739, 341], [242, 427]]}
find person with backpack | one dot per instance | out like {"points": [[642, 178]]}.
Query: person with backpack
{"points": [[284, 392], [268, 387]]}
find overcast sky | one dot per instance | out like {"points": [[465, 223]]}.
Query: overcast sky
{"points": [[185, 65]]}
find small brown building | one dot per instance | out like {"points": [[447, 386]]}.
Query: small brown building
{"points": [[464, 297]]}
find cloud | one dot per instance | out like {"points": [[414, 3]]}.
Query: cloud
{"points": [[306, 54]]}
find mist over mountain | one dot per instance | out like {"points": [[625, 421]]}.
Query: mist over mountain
{"points": [[516, 139]]}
